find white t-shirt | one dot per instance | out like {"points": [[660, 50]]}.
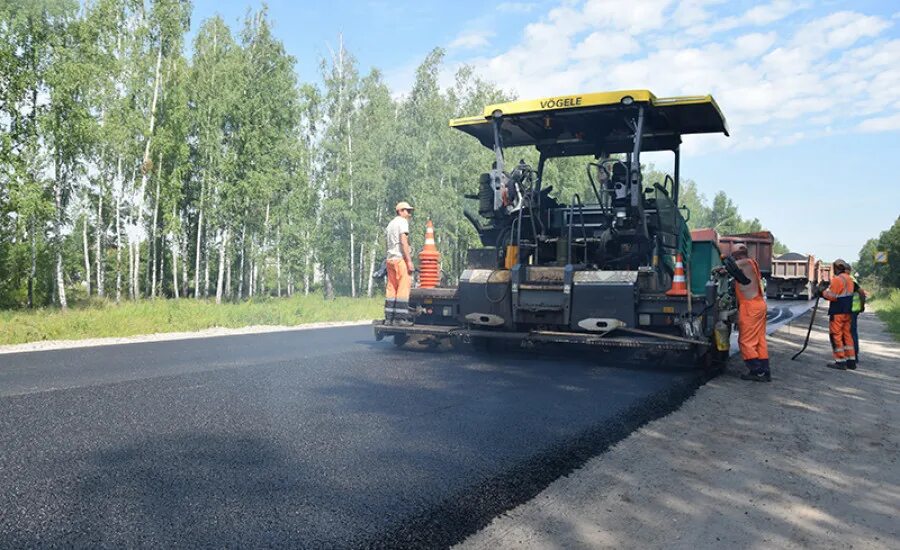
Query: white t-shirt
{"points": [[397, 227]]}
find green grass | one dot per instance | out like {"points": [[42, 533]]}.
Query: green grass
{"points": [[887, 306], [103, 319]]}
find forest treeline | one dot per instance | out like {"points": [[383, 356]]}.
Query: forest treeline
{"points": [[130, 168], [884, 274]]}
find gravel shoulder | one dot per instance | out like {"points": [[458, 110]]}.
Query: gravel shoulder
{"points": [[808, 461]]}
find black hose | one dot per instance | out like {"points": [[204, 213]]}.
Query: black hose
{"points": [[812, 320]]}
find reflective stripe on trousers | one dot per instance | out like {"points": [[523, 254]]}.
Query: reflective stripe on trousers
{"points": [[396, 302], [841, 338]]}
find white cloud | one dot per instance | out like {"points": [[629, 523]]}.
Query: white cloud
{"points": [[839, 30], [469, 40], [600, 45], [880, 124], [628, 15], [758, 15], [771, 12], [754, 44], [689, 13], [779, 77]]}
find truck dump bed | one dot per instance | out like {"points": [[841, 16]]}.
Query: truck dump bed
{"points": [[793, 276], [759, 247]]}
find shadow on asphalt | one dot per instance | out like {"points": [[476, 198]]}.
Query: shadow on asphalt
{"points": [[487, 491], [583, 356], [809, 491]]}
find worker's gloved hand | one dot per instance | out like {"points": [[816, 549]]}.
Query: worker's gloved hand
{"points": [[381, 272]]}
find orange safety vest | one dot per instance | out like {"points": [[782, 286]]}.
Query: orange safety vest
{"points": [[840, 294]]}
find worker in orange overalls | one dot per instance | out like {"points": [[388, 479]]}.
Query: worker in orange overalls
{"points": [[399, 267], [751, 317], [840, 294]]}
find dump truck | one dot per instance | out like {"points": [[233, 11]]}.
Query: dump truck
{"points": [[793, 276], [602, 268]]}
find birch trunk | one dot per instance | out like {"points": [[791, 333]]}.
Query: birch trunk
{"points": [[131, 294], [183, 248], [306, 268], [197, 256], [145, 169], [361, 266], [352, 235], [119, 230], [370, 287], [98, 262], [206, 261], [175, 268], [223, 239], [155, 261], [32, 272], [241, 266], [227, 272], [87, 255], [264, 249], [278, 259], [174, 261], [60, 282], [58, 199]]}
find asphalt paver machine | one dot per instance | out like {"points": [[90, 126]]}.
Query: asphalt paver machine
{"points": [[601, 270]]}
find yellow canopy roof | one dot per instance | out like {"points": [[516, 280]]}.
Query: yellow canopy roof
{"points": [[596, 122]]}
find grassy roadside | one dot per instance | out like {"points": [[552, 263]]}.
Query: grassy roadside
{"points": [[105, 319], [888, 309]]}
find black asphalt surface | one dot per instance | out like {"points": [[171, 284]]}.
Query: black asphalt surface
{"points": [[318, 438]]}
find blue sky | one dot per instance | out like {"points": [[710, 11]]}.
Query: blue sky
{"points": [[811, 89]]}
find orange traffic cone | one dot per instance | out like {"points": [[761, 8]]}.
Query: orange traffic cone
{"points": [[679, 283], [429, 261]]}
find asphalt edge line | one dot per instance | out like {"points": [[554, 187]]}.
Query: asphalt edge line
{"points": [[473, 508], [470, 510], [213, 332]]}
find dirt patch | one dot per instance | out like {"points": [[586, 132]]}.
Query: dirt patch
{"points": [[809, 460]]}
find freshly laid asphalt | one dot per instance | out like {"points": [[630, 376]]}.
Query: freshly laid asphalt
{"points": [[316, 438]]}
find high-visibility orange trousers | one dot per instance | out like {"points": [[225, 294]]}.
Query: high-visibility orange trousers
{"points": [[841, 337], [752, 330], [396, 301]]}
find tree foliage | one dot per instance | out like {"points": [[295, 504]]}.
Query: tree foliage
{"points": [[881, 274], [129, 170]]}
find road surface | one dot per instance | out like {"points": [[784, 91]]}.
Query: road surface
{"points": [[308, 438]]}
